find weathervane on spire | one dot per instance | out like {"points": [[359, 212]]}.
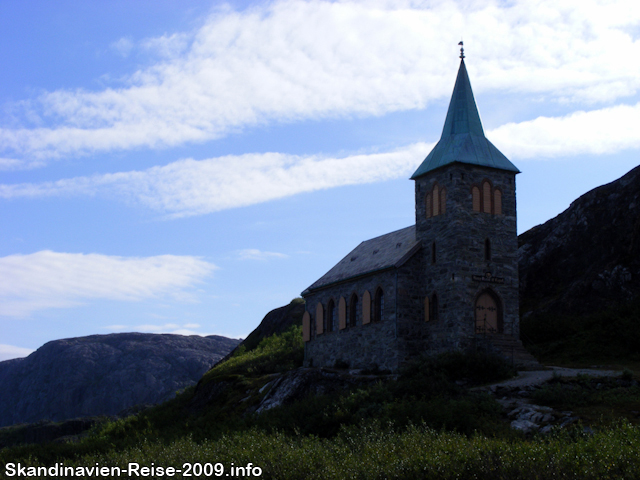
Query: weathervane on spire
{"points": [[461, 49]]}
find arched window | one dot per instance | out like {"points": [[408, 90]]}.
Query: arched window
{"points": [[436, 200], [475, 198], [306, 327], [487, 249], [378, 305], [433, 253], [342, 313], [486, 197], [366, 307], [434, 307], [331, 316], [319, 319], [427, 309], [487, 201], [497, 202], [353, 310]]}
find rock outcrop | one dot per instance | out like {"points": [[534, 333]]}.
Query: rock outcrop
{"points": [[588, 257], [103, 374]]}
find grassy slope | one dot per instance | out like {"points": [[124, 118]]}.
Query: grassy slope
{"points": [[608, 337], [421, 425]]}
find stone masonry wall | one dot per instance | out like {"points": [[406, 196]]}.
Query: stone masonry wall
{"points": [[459, 236], [362, 346]]}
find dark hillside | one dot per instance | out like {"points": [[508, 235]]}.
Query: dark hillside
{"points": [[580, 278], [103, 374], [587, 259]]}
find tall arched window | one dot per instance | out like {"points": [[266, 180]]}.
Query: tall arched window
{"points": [[366, 307], [433, 252], [331, 316], [342, 313], [319, 319], [353, 310], [489, 200], [497, 202], [435, 201], [378, 305], [475, 198], [487, 249], [486, 197]]}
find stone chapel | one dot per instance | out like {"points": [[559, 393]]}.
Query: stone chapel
{"points": [[449, 282]]}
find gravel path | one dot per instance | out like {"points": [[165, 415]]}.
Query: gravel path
{"points": [[525, 378]]}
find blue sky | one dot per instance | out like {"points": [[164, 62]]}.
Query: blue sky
{"points": [[184, 166]]}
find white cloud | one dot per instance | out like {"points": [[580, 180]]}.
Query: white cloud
{"points": [[255, 254], [49, 279], [608, 130], [290, 59], [173, 328], [7, 352], [190, 187]]}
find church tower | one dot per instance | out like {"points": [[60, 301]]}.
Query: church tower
{"points": [[465, 196]]}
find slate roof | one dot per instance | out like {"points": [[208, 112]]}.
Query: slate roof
{"points": [[462, 137], [380, 253]]}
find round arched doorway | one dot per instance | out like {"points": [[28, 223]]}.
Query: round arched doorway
{"points": [[488, 313]]}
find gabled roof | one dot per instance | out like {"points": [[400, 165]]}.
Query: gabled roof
{"points": [[380, 253], [462, 137]]}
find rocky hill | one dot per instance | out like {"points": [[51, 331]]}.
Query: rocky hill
{"points": [[274, 323], [103, 374], [587, 258]]}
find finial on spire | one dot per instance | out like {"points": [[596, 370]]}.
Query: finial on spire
{"points": [[461, 49]]}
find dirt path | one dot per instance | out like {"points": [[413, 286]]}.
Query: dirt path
{"points": [[526, 378]]}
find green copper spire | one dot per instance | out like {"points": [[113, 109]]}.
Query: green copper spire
{"points": [[462, 137]]}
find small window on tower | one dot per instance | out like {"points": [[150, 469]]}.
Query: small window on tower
{"points": [[436, 200], [428, 205], [497, 202], [486, 197], [433, 252], [487, 249], [475, 196]]}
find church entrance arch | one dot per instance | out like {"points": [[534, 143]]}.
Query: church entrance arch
{"points": [[488, 313]]}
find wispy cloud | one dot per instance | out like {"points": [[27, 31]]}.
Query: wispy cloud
{"points": [[255, 254], [49, 279], [190, 187], [289, 60], [8, 352], [123, 46]]}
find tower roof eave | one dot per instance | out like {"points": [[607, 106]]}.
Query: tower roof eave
{"points": [[465, 148]]}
